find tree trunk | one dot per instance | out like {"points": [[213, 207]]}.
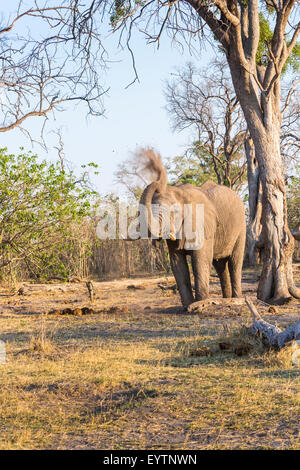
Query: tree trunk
{"points": [[254, 227], [277, 239], [263, 119], [273, 285]]}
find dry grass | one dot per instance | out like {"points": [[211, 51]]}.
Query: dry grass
{"points": [[130, 380], [40, 342]]}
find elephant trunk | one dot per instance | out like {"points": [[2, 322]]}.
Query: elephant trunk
{"points": [[146, 202], [154, 166]]}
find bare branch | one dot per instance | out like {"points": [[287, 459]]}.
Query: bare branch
{"points": [[40, 71], [206, 102]]}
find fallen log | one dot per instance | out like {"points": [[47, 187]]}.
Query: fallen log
{"points": [[273, 336]]}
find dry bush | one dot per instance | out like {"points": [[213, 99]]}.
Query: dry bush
{"points": [[85, 256], [281, 358], [121, 258]]}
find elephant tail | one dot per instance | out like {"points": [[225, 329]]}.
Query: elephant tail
{"points": [[153, 167]]}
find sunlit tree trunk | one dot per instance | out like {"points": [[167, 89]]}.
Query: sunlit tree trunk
{"points": [[278, 243]]}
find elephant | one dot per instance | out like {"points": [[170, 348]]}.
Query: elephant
{"points": [[223, 233]]}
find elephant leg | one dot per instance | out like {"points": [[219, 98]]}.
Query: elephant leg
{"points": [[182, 275], [221, 266], [235, 264], [201, 263]]}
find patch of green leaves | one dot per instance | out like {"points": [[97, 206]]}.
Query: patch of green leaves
{"points": [[40, 204]]}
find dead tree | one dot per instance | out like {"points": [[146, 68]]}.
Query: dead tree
{"points": [[49, 56], [206, 102]]}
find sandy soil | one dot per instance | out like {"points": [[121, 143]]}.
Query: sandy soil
{"points": [[139, 296], [124, 376]]}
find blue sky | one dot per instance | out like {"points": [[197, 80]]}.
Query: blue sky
{"points": [[134, 116]]}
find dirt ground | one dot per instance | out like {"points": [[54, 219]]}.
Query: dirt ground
{"points": [[126, 376]]}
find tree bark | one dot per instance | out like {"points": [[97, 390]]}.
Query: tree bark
{"points": [[278, 246]]}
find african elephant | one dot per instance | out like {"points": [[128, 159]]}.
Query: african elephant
{"points": [[224, 232]]}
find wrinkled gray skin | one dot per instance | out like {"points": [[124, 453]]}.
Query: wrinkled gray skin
{"points": [[224, 233]]}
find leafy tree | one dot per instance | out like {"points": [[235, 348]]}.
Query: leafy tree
{"points": [[194, 167], [40, 204]]}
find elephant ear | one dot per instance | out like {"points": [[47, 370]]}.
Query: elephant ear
{"points": [[199, 224]]}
